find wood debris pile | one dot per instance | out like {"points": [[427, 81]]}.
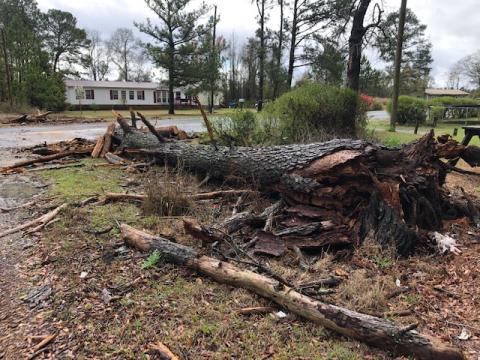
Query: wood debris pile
{"points": [[324, 195]]}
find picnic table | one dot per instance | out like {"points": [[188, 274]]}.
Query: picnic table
{"points": [[470, 132]]}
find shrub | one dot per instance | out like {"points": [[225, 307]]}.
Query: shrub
{"points": [[246, 128], [368, 101], [440, 112], [410, 110], [313, 111], [378, 105]]}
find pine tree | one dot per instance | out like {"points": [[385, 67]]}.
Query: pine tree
{"points": [[175, 43]]}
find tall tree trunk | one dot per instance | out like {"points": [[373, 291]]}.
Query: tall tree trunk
{"points": [[171, 77], [125, 62], [262, 58], [355, 43], [55, 62], [171, 94], [278, 70], [214, 53], [293, 44], [398, 65]]}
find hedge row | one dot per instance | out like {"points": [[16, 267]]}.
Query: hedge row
{"points": [[412, 109]]}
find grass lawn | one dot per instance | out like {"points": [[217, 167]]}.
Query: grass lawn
{"points": [[162, 114], [404, 134]]}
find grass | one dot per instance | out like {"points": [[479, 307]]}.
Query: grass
{"points": [[161, 114], [73, 184], [404, 134]]}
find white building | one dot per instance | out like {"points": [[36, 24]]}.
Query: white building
{"points": [[121, 94]]}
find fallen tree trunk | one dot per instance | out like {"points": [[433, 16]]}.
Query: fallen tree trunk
{"points": [[371, 330], [200, 196], [39, 117], [44, 159], [394, 195]]}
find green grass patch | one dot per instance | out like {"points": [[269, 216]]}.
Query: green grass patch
{"points": [[404, 134], [73, 184]]}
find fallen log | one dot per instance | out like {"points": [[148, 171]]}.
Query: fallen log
{"points": [[371, 330], [397, 195], [164, 352], [39, 222], [56, 167], [200, 196], [39, 117], [115, 159], [44, 159]]}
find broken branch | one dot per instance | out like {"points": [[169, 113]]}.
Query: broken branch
{"points": [[371, 330]]}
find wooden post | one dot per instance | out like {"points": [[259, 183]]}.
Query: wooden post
{"points": [[207, 122]]}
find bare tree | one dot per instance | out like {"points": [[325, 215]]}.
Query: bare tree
{"points": [[124, 50], [470, 66], [233, 64], [96, 60], [455, 75], [307, 19]]}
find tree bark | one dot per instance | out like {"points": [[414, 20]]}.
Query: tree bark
{"points": [[355, 43], [293, 44], [396, 195], [261, 74], [278, 70], [371, 330]]}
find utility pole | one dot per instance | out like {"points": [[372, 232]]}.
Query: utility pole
{"points": [[7, 68], [214, 53], [398, 65]]}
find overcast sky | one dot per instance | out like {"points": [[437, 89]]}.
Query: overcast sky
{"points": [[452, 25]]}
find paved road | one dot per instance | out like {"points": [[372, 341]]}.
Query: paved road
{"points": [[24, 136], [378, 115]]}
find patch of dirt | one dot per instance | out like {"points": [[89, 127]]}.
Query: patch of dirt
{"points": [[11, 156], [22, 299]]}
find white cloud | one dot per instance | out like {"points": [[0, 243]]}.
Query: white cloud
{"points": [[452, 26]]}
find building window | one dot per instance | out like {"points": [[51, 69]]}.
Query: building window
{"points": [[141, 95], [178, 95], [131, 95], [164, 97], [90, 94], [113, 94], [124, 95]]}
